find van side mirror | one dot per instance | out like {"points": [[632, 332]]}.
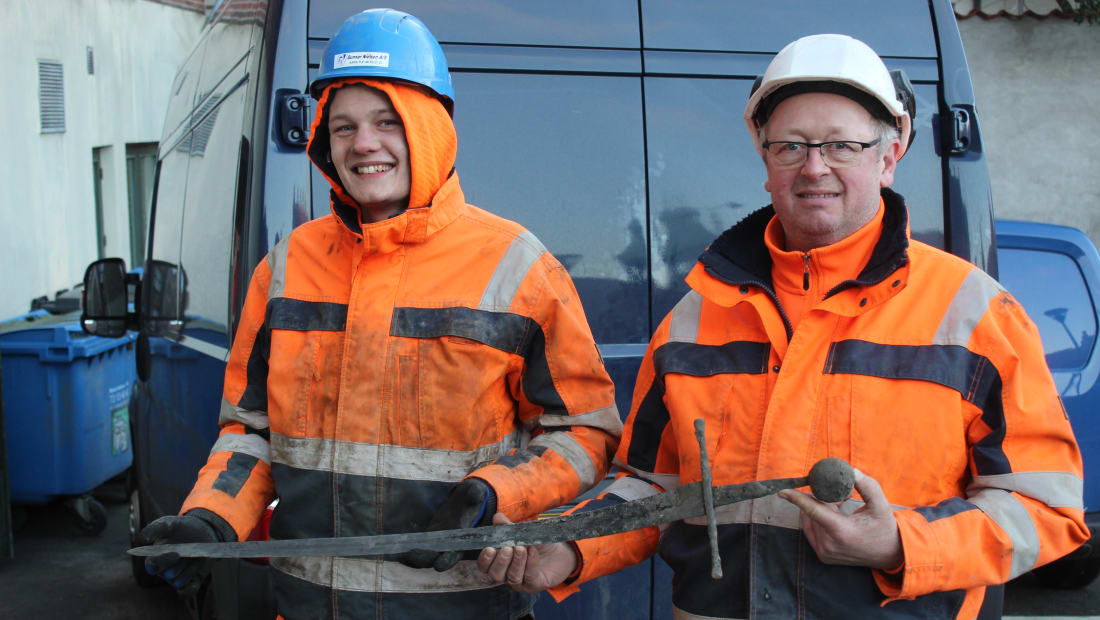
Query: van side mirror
{"points": [[164, 292], [104, 310]]}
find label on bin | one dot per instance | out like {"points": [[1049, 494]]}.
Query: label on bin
{"points": [[119, 400], [120, 431]]}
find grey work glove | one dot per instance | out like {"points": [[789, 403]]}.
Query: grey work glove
{"points": [[183, 574], [471, 503]]}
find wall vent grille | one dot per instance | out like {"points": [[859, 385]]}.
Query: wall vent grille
{"points": [[51, 96]]}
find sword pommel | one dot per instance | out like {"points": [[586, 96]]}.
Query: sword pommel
{"points": [[832, 480]]}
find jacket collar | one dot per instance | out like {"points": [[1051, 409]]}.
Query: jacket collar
{"points": [[739, 256], [414, 225]]}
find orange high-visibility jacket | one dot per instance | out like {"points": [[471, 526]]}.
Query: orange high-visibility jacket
{"points": [[378, 365], [922, 372]]}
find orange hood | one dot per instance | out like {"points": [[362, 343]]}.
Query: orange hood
{"points": [[429, 131]]}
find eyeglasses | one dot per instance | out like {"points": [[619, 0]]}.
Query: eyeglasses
{"points": [[837, 154]]}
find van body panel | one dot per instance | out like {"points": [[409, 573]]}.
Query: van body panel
{"points": [[968, 199]]}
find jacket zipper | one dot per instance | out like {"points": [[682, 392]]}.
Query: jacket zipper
{"points": [[806, 274]]}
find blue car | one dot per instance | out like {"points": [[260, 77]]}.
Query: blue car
{"points": [[1054, 271]]}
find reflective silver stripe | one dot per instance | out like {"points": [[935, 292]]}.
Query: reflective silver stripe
{"points": [[683, 326], [631, 489], [967, 308], [253, 419], [276, 263], [573, 453], [771, 510], [680, 614], [510, 272], [362, 459], [206, 348], [665, 481], [360, 575], [1054, 488], [606, 419], [252, 445], [1013, 517]]}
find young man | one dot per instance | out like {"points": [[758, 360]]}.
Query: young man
{"points": [[408, 362], [816, 327]]}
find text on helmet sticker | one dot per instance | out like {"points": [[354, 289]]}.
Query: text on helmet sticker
{"points": [[361, 59]]}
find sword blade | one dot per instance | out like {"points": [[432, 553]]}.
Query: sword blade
{"points": [[683, 502]]}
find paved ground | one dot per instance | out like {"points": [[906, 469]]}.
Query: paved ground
{"points": [[61, 572]]}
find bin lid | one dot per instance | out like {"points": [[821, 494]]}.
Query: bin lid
{"points": [[53, 339], [37, 318]]}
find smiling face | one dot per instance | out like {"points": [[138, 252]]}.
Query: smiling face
{"points": [[369, 151], [818, 205]]}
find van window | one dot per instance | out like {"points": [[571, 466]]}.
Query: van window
{"points": [[181, 97], [563, 156], [542, 150], [161, 286], [605, 23], [208, 218], [897, 28], [919, 175], [1053, 291], [226, 51], [704, 174]]}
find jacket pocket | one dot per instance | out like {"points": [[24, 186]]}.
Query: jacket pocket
{"points": [[456, 392], [303, 380], [291, 377], [911, 437], [304, 363]]}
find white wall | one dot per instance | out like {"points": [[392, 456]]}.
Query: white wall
{"points": [[47, 201], [1037, 85]]}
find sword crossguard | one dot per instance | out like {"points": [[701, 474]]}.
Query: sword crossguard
{"points": [[707, 488]]}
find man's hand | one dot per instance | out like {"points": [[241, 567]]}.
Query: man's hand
{"points": [[528, 569], [867, 537], [470, 504], [184, 574]]}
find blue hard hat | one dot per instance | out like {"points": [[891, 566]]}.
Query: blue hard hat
{"points": [[385, 43]]}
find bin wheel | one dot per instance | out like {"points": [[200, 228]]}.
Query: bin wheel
{"points": [[137, 564], [90, 513]]}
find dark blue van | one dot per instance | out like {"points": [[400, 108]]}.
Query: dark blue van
{"points": [[613, 130]]}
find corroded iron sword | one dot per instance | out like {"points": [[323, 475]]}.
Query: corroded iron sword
{"points": [[831, 480]]}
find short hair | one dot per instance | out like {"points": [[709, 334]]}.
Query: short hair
{"points": [[887, 133]]}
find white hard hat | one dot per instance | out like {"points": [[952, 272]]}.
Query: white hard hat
{"points": [[832, 63]]}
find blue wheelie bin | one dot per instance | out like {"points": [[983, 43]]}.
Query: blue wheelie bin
{"points": [[66, 403]]}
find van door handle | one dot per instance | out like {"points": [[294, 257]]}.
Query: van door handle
{"points": [[961, 138], [290, 106]]}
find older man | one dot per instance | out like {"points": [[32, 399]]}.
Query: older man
{"points": [[816, 327]]}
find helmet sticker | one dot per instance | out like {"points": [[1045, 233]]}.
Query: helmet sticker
{"points": [[361, 59]]}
